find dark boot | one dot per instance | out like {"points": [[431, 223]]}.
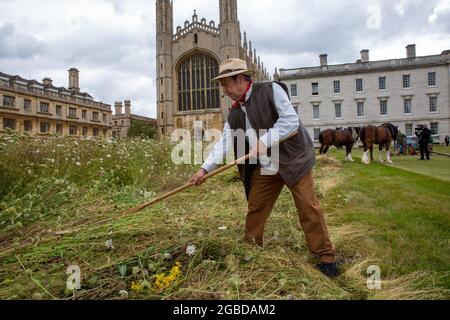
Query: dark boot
{"points": [[328, 269]]}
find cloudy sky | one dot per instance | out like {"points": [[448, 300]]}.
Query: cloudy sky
{"points": [[112, 42]]}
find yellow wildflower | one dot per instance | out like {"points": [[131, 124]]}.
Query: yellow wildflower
{"points": [[136, 287], [163, 281]]}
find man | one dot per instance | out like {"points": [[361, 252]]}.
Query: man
{"points": [[266, 106], [401, 141], [424, 135], [447, 140]]}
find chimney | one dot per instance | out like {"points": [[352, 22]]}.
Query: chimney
{"points": [[411, 51], [74, 80], [365, 55], [323, 60], [47, 82], [118, 108], [127, 108]]}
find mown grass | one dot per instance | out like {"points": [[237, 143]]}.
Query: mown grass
{"points": [[377, 215]]}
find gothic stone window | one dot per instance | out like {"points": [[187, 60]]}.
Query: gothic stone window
{"points": [[195, 89]]}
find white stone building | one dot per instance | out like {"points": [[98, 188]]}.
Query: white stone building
{"points": [[406, 92]]}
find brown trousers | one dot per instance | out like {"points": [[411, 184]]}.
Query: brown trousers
{"points": [[263, 195]]}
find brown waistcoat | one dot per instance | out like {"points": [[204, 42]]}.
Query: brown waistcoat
{"points": [[297, 156]]}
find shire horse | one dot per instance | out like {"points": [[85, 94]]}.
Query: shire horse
{"points": [[339, 138], [383, 136]]}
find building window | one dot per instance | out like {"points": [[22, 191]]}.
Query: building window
{"points": [[316, 134], [9, 124], [104, 117], [9, 101], [382, 83], [293, 90], [196, 91], [295, 106], [409, 130], [85, 131], [73, 130], [84, 114], [95, 132], [59, 110], [360, 108], [316, 112], [45, 127], [95, 116], [338, 110], [315, 88], [433, 104], [407, 106], [359, 85], [105, 132], [195, 38], [44, 107], [59, 128], [72, 112], [28, 126], [27, 105], [383, 108], [432, 79], [434, 127], [337, 86], [406, 81]]}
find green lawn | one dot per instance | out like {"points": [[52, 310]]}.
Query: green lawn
{"points": [[407, 204], [438, 166]]}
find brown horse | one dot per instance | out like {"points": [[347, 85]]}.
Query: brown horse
{"points": [[339, 138], [383, 135]]}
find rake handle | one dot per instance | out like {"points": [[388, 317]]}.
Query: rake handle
{"points": [[186, 186]]}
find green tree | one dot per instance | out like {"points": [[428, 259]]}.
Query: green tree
{"points": [[141, 129]]}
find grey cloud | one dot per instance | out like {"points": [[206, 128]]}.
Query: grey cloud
{"points": [[13, 44]]}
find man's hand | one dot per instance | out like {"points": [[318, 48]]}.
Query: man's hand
{"points": [[259, 150], [196, 179]]}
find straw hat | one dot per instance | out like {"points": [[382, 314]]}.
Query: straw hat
{"points": [[232, 67]]}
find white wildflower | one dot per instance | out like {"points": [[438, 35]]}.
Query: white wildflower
{"points": [[190, 251], [223, 228], [167, 256], [109, 244], [108, 156], [123, 294], [78, 164]]}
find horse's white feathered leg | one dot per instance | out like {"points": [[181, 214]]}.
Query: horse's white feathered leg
{"points": [[380, 157], [365, 158], [350, 157], [388, 157]]}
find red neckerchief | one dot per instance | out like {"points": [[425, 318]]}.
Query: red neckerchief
{"points": [[237, 104]]}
